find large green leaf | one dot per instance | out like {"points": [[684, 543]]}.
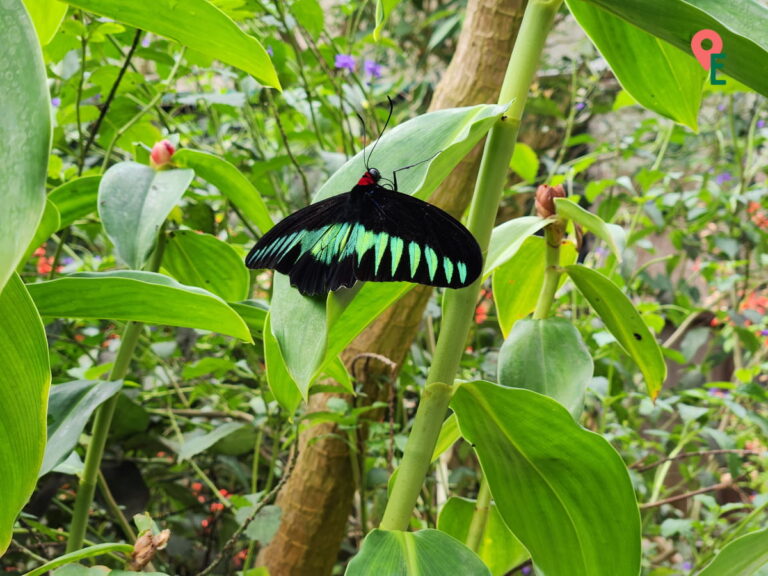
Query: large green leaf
{"points": [[47, 16], [279, 379], [518, 282], [664, 79], [562, 490], [25, 133], [198, 24], [76, 199], [70, 406], [254, 312], [230, 182], [742, 557], [499, 548], [624, 322], [547, 356], [205, 261], [507, 238], [304, 339], [134, 201], [139, 296], [24, 380], [449, 134], [740, 23], [422, 553]]}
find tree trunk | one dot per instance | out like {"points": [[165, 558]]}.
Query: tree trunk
{"points": [[317, 498]]}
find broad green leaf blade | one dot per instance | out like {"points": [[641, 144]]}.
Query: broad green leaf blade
{"points": [[507, 238], [613, 236], [452, 133], [70, 406], [499, 548], [518, 282], [624, 322], [254, 312], [539, 464], [76, 199], [205, 261], [49, 223], [68, 569], [198, 24], [422, 553], [547, 356], [24, 381], [299, 326], [197, 442], [279, 379], [230, 182], [310, 15], [383, 10], [740, 23], [47, 16], [134, 201], [664, 79], [25, 131], [139, 296], [742, 557]]}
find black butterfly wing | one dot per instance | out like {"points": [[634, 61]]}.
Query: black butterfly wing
{"points": [[301, 246], [414, 241]]}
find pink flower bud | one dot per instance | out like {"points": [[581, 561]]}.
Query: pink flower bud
{"points": [[161, 154]]}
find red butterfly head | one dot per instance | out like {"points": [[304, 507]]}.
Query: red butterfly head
{"points": [[371, 177]]}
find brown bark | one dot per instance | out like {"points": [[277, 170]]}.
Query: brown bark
{"points": [[317, 498]]}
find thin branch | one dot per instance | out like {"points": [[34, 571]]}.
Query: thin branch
{"points": [[105, 108], [643, 467], [284, 138], [686, 495], [227, 548]]}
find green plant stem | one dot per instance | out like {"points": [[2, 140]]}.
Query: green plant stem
{"points": [[103, 420], [95, 451], [552, 272], [479, 517], [460, 304]]}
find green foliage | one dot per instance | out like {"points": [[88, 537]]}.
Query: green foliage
{"points": [[187, 424]]}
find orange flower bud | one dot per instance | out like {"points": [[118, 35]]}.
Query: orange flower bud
{"points": [[545, 199]]}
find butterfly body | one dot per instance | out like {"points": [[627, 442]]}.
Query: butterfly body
{"points": [[370, 233]]}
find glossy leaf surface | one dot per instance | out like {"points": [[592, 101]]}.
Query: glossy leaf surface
{"points": [[537, 462], [139, 296], [624, 322]]}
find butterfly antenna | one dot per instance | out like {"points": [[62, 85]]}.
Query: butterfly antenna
{"points": [[365, 140], [394, 174], [389, 117]]}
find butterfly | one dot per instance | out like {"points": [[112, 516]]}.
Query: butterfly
{"points": [[371, 233]]}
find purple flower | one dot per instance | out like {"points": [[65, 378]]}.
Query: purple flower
{"points": [[146, 41], [345, 61], [763, 332], [55, 101], [526, 569], [723, 178], [67, 260], [270, 51], [761, 123], [686, 565], [719, 393], [580, 106], [373, 68]]}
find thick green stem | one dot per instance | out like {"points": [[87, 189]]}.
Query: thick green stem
{"points": [[460, 304], [480, 516]]}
